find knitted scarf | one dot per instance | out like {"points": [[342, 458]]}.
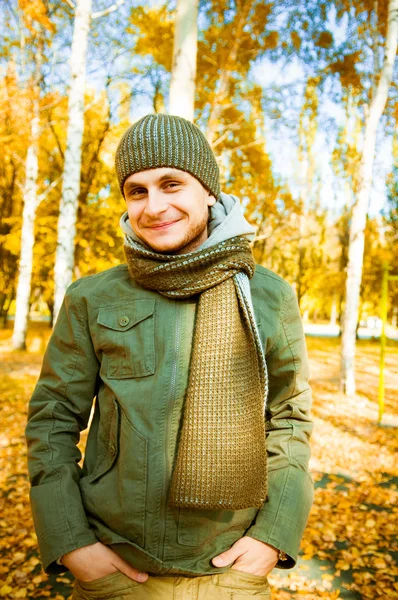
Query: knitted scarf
{"points": [[221, 459]]}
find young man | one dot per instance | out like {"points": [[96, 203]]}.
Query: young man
{"points": [[195, 481]]}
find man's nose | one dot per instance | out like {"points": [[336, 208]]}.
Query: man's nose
{"points": [[156, 203]]}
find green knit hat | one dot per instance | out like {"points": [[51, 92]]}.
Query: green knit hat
{"points": [[160, 140]]}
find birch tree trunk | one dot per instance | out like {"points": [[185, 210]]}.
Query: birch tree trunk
{"points": [[183, 75], [28, 218], [64, 261], [333, 312], [358, 222]]}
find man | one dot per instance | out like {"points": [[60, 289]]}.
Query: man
{"points": [[195, 481]]}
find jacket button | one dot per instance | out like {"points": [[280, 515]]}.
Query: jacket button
{"points": [[123, 321], [112, 450]]}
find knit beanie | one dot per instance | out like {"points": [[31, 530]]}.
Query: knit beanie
{"points": [[159, 140]]}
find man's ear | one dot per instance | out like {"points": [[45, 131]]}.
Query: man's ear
{"points": [[211, 200]]}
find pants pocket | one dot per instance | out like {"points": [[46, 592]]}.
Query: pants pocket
{"points": [[114, 586], [243, 584]]}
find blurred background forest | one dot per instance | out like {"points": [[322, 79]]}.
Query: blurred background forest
{"points": [[298, 99], [282, 93]]}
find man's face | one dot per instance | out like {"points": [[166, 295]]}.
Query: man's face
{"points": [[168, 209]]}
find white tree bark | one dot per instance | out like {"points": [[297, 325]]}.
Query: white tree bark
{"points": [[333, 312], [183, 76], [358, 222], [29, 214], [64, 261], [27, 234]]}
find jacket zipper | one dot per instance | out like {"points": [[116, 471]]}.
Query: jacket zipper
{"points": [[167, 429]]}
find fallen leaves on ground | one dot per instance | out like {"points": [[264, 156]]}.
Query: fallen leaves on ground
{"points": [[349, 547], [352, 530]]}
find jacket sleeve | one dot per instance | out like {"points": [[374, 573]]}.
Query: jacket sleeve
{"points": [[59, 410], [282, 519]]}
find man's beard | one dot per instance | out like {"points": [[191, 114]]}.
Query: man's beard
{"points": [[190, 243], [190, 240]]}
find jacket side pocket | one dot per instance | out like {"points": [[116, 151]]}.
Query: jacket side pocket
{"points": [[107, 460], [115, 493]]}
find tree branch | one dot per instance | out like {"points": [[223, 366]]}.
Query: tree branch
{"points": [[265, 236], [107, 11], [73, 7], [52, 185], [228, 130], [18, 158], [230, 150], [50, 123], [53, 104]]}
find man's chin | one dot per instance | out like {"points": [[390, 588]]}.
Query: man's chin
{"points": [[173, 244], [164, 247]]}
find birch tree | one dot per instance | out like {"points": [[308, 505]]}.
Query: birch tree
{"points": [[35, 12], [64, 259], [183, 75], [360, 209], [28, 216]]}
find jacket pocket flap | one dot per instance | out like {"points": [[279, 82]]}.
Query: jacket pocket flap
{"points": [[112, 446], [125, 316]]}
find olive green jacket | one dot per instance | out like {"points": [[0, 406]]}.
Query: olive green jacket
{"points": [[129, 348]]}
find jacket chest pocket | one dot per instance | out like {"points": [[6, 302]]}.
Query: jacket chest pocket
{"points": [[127, 338]]}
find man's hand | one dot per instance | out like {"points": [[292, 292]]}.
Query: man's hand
{"points": [[97, 560], [250, 556]]}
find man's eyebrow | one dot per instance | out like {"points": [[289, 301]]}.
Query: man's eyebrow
{"points": [[172, 175], [164, 177], [132, 184]]}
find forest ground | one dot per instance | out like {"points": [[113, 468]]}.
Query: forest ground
{"points": [[349, 549]]}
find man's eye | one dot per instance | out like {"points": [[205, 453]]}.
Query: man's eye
{"points": [[137, 192], [171, 184]]}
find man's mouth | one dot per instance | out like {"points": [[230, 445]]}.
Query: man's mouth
{"points": [[162, 225]]}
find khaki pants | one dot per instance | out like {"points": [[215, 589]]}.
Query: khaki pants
{"points": [[232, 585]]}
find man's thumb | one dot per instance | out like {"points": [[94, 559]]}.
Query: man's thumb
{"points": [[228, 557], [130, 571]]}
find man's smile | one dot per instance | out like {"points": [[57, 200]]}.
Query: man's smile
{"points": [[162, 225]]}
